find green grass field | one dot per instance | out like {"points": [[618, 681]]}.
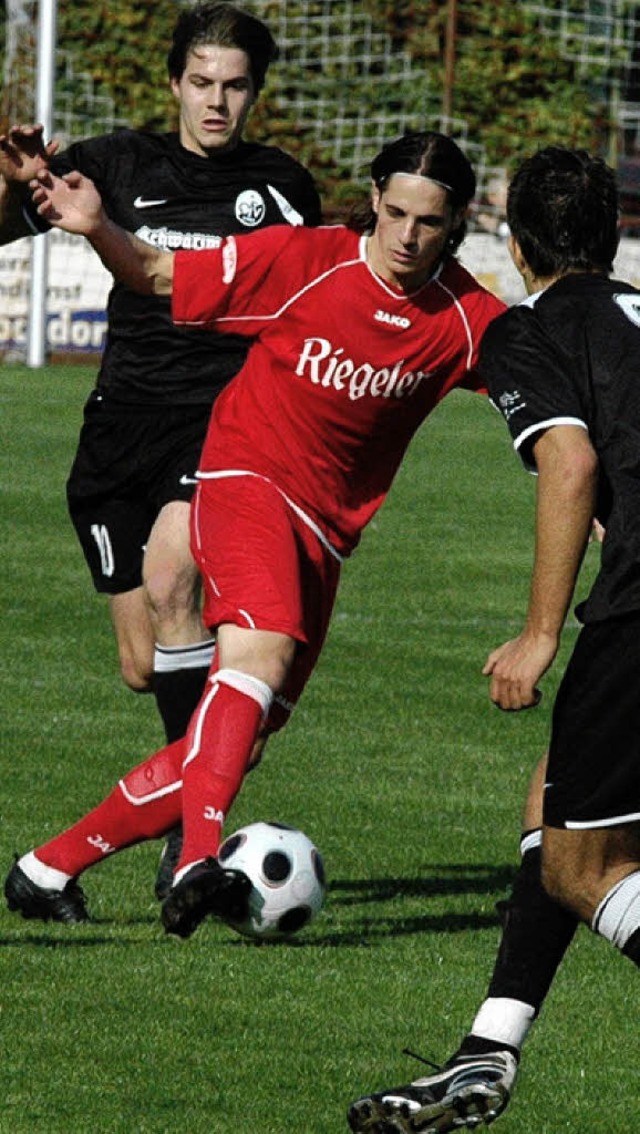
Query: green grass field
{"points": [[395, 763]]}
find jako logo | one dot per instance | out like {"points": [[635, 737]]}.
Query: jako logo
{"points": [[215, 816], [101, 844], [392, 320]]}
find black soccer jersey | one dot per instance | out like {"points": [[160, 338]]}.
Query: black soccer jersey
{"points": [[173, 198], [571, 355]]}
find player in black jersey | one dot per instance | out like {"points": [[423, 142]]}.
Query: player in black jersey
{"points": [[145, 421], [563, 369]]}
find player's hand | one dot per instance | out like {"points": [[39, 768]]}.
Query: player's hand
{"points": [[23, 153], [71, 202], [515, 669]]}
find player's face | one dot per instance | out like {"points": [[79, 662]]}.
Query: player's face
{"points": [[215, 93], [414, 221]]}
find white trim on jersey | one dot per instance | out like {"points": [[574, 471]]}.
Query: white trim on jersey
{"points": [[539, 427], [219, 319], [400, 297], [465, 321], [222, 473]]}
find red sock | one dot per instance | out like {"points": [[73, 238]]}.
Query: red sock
{"points": [[219, 742], [144, 805]]}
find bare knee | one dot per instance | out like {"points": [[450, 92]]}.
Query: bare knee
{"points": [[172, 597], [265, 654]]}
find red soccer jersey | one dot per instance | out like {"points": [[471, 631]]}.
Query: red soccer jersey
{"points": [[343, 370]]}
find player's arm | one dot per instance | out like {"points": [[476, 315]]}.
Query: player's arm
{"points": [[74, 204], [567, 467], [23, 155]]}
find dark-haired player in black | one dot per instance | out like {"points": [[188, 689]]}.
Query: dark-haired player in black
{"points": [[134, 472], [563, 369]]}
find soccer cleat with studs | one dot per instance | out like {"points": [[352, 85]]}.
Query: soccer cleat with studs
{"points": [[207, 888], [35, 902], [468, 1092]]}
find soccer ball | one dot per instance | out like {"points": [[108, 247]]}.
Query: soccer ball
{"points": [[287, 875]]}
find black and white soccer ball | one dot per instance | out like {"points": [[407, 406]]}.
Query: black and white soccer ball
{"points": [[287, 877]]}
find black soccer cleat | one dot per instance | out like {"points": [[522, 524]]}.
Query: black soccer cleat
{"points": [[205, 889], [168, 861], [35, 902], [470, 1091]]}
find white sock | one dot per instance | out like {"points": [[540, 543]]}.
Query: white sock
{"points": [[42, 875], [179, 875], [618, 915], [504, 1020]]}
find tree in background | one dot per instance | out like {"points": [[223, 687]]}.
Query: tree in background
{"points": [[513, 90]]}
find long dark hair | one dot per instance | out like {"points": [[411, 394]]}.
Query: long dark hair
{"points": [[428, 153]]}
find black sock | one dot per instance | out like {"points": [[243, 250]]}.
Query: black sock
{"points": [[632, 948], [479, 1045], [178, 684], [536, 933]]}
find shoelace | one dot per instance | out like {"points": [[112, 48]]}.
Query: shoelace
{"points": [[422, 1059]]}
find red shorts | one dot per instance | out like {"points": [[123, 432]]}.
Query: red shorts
{"points": [[264, 568]]}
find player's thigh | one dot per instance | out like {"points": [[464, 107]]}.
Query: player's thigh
{"points": [[244, 539], [532, 811], [168, 563], [134, 636], [581, 866]]}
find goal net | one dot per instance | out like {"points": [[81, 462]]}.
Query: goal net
{"points": [[352, 87]]}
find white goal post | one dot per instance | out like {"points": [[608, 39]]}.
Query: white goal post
{"points": [[37, 344]]}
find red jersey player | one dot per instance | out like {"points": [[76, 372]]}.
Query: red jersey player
{"points": [[359, 331]]}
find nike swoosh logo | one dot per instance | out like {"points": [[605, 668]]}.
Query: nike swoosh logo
{"points": [[184, 479], [142, 203]]}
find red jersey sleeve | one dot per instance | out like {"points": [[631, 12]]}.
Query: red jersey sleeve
{"points": [[238, 283]]}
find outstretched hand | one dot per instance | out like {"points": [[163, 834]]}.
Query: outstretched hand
{"points": [[515, 669], [23, 153], [71, 202]]}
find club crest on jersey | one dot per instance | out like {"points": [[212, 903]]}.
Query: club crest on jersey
{"points": [[392, 320], [250, 208]]}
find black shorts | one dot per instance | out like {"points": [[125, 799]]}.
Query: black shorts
{"points": [[593, 777], [130, 462]]}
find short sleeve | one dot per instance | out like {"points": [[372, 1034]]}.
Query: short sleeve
{"points": [[530, 378]]}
